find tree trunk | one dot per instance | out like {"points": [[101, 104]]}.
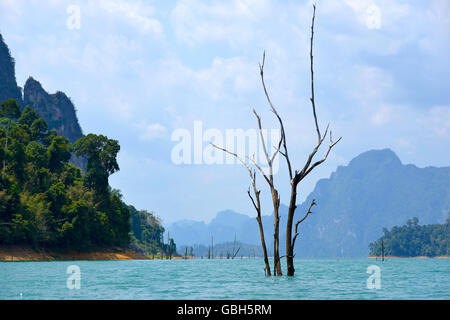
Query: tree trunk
{"points": [[276, 243], [289, 244], [263, 244]]}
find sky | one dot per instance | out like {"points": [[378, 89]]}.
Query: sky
{"points": [[143, 71]]}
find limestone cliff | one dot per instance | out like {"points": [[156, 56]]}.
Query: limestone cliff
{"points": [[8, 84], [56, 109]]}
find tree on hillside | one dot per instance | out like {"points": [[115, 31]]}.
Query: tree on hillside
{"points": [[10, 110], [58, 153], [101, 154]]}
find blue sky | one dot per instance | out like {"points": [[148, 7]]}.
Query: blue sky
{"points": [[138, 70]]}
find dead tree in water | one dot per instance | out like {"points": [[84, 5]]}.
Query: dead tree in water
{"points": [[235, 252], [256, 203], [298, 176], [295, 177], [274, 192]]}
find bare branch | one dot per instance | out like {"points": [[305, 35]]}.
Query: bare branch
{"points": [[235, 155], [262, 137], [269, 181], [313, 203], [253, 201], [302, 173], [332, 144], [312, 75], [234, 256], [252, 177], [274, 110]]}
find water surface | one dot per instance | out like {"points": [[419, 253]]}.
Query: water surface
{"points": [[226, 279]]}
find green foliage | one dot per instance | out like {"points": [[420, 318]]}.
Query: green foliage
{"points": [[45, 200], [147, 232], [37, 154], [10, 109], [58, 153], [28, 116], [101, 154], [48, 137], [38, 129], [17, 160], [412, 240]]}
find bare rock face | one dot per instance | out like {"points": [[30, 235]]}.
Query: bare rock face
{"points": [[58, 112], [8, 84], [56, 109]]}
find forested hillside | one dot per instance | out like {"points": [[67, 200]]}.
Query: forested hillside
{"points": [[414, 240], [147, 233], [45, 201]]}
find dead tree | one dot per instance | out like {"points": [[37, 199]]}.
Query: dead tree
{"points": [[297, 176], [235, 252], [256, 203], [212, 247], [273, 191]]}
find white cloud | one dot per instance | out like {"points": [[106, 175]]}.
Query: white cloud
{"points": [[438, 120], [234, 72], [382, 116], [216, 81], [386, 14], [371, 84], [199, 21], [368, 13], [136, 13], [151, 131], [12, 10]]}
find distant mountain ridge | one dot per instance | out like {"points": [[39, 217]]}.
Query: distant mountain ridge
{"points": [[375, 190]]}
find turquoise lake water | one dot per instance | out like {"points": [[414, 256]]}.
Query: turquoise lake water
{"points": [[226, 279]]}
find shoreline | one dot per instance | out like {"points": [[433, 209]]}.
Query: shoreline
{"points": [[418, 257], [24, 253]]}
